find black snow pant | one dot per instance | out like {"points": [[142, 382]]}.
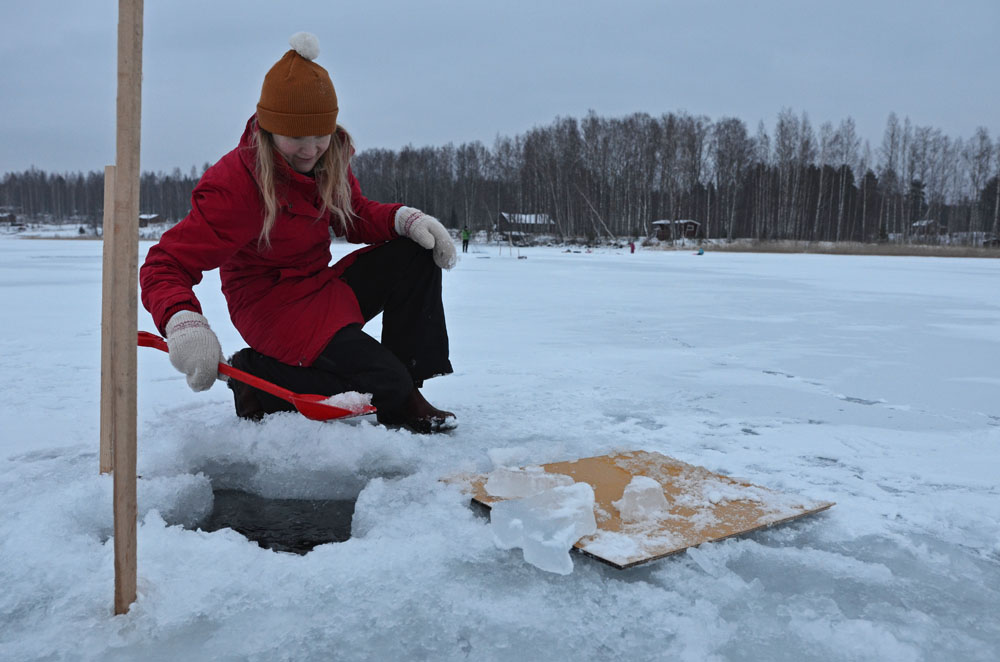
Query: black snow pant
{"points": [[398, 279]]}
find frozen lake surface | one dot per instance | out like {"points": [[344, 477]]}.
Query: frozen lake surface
{"points": [[873, 382]]}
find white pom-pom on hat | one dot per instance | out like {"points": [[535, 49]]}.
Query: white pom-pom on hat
{"points": [[305, 44]]}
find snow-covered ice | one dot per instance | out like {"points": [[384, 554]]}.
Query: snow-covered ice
{"points": [[869, 381], [546, 524], [643, 500]]}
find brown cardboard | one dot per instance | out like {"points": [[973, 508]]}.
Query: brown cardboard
{"points": [[703, 506]]}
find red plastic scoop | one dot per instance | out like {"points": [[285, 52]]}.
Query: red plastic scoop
{"points": [[309, 405]]}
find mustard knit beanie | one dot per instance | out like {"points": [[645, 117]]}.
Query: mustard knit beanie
{"points": [[297, 98]]}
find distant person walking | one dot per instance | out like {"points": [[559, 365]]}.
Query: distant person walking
{"points": [[465, 239]]}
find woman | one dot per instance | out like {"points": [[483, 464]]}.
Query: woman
{"points": [[263, 216]]}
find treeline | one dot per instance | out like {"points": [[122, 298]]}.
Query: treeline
{"points": [[79, 197], [599, 177]]}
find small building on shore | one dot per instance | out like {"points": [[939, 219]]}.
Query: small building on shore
{"points": [[927, 227], [667, 230]]}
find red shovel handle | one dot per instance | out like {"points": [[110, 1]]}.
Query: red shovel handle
{"points": [[147, 339], [311, 406]]}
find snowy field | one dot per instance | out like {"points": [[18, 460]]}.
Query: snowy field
{"points": [[870, 381]]}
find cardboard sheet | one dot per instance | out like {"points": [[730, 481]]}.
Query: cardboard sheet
{"points": [[702, 506]]}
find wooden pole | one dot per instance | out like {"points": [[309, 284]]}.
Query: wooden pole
{"points": [[124, 306], [107, 394]]}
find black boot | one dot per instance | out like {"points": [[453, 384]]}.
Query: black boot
{"points": [[418, 415], [251, 403]]}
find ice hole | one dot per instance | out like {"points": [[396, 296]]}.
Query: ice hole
{"points": [[281, 509], [281, 525], [286, 507]]}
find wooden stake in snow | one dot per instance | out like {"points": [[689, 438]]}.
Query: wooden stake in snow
{"points": [[120, 307]]}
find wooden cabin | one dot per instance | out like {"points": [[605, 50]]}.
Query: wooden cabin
{"points": [[679, 229]]}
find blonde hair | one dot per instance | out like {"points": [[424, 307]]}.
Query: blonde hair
{"points": [[330, 173]]}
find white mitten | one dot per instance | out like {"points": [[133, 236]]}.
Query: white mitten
{"points": [[429, 233], [194, 349]]}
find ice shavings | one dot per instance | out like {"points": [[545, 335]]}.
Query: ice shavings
{"points": [[546, 525], [709, 492], [614, 546], [643, 500], [515, 483], [641, 540], [508, 456], [350, 400], [669, 505]]}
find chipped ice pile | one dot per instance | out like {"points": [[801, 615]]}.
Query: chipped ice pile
{"points": [[546, 525], [643, 500], [350, 400], [514, 483]]}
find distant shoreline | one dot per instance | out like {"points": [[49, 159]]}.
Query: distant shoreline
{"points": [[842, 248], [710, 246]]}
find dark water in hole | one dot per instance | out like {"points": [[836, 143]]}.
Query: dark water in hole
{"points": [[283, 525]]}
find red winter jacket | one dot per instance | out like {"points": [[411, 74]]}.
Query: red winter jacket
{"points": [[286, 301]]}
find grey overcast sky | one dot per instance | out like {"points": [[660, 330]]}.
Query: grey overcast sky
{"points": [[439, 71]]}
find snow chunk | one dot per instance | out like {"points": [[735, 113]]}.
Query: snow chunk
{"points": [[305, 44], [643, 500], [546, 525], [509, 456], [350, 400], [514, 483]]}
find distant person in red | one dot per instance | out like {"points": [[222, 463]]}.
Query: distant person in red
{"points": [[631, 247], [262, 215]]}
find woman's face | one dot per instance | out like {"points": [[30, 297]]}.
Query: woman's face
{"points": [[302, 152]]}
